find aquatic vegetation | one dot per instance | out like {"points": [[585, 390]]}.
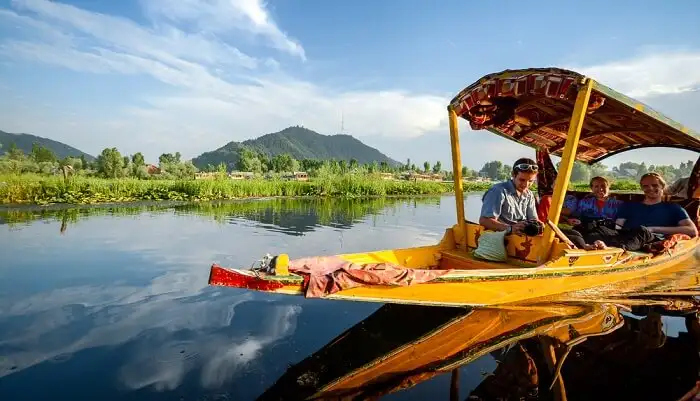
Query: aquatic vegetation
{"points": [[42, 190]]}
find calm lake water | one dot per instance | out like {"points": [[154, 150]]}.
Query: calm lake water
{"points": [[113, 303]]}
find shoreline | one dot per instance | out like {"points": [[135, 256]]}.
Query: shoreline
{"points": [[29, 207], [41, 192], [22, 190]]}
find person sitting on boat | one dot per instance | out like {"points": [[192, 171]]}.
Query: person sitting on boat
{"points": [[596, 206], [640, 223], [510, 205], [659, 217]]}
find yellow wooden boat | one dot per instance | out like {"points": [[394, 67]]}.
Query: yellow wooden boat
{"points": [[555, 111]]}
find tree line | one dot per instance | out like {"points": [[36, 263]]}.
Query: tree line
{"points": [[257, 162], [582, 172], [110, 163]]}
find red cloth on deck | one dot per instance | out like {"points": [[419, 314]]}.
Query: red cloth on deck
{"points": [[664, 245], [324, 275]]}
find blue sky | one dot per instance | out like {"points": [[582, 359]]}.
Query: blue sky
{"points": [[191, 75]]}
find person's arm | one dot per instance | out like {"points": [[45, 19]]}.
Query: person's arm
{"points": [[491, 210], [686, 227]]}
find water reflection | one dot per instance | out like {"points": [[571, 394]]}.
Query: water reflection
{"points": [[543, 351], [286, 215], [110, 303]]}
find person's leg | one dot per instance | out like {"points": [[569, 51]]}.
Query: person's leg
{"points": [[575, 237], [629, 239]]}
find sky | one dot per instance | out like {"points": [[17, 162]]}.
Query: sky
{"points": [[157, 76]]}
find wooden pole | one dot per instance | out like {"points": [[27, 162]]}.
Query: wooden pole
{"points": [[565, 167], [457, 170]]}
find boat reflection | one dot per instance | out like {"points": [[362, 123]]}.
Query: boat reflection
{"points": [[560, 350]]}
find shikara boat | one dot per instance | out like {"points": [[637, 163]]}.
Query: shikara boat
{"points": [[555, 111], [386, 352]]}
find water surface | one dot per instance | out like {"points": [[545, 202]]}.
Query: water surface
{"points": [[113, 303]]}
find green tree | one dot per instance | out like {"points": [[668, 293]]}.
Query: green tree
{"points": [[248, 161], [138, 160], [426, 166], [353, 164], [493, 170], [15, 153], [73, 162], [110, 163], [284, 163], [437, 168], [169, 158], [41, 154], [83, 162], [580, 172]]}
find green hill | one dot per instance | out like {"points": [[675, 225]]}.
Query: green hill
{"points": [[299, 142], [25, 141]]}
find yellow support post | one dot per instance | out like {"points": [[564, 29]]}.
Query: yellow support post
{"points": [[567, 163], [457, 169]]}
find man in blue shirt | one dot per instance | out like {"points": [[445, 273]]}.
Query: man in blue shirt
{"points": [[509, 204]]}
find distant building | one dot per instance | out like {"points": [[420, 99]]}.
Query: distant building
{"points": [[241, 175], [413, 176], [205, 176], [296, 176]]}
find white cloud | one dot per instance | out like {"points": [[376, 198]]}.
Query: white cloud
{"points": [[225, 15], [211, 92], [211, 105], [650, 75]]}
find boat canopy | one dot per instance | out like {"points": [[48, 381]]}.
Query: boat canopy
{"points": [[534, 107]]}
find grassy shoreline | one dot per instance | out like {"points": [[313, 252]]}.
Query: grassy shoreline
{"points": [[41, 190], [45, 190]]}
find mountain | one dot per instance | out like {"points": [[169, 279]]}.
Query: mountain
{"points": [[25, 141], [299, 142]]}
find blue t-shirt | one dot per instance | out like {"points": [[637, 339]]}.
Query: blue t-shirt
{"points": [[663, 214]]}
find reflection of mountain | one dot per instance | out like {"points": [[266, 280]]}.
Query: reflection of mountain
{"points": [[288, 216]]}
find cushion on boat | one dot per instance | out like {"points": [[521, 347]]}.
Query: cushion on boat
{"points": [[492, 246]]}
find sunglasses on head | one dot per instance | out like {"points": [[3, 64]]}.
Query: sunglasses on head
{"points": [[526, 167]]}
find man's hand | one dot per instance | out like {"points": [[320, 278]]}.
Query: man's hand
{"points": [[518, 227], [574, 222]]}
